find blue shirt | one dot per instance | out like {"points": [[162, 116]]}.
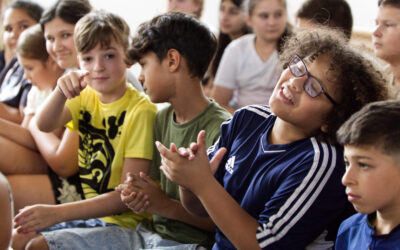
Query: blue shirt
{"points": [[293, 190], [357, 233]]}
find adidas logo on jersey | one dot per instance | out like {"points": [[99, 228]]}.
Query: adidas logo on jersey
{"points": [[230, 164]]}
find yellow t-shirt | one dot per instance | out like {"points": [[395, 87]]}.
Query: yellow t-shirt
{"points": [[109, 133]]}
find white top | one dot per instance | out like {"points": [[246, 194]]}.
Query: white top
{"points": [[242, 70], [36, 98]]}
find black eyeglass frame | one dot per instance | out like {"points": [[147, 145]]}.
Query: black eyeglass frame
{"points": [[298, 58]]}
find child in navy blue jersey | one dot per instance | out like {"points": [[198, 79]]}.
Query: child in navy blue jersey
{"points": [[278, 169], [371, 140]]}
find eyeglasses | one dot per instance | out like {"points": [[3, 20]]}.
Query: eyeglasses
{"points": [[311, 85]]}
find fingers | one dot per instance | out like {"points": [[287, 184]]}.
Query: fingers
{"points": [[70, 85], [201, 139], [137, 202], [216, 160]]}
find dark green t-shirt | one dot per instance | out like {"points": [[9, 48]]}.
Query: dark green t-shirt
{"points": [[166, 130]]}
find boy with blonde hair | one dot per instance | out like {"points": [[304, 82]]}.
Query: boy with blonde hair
{"points": [[115, 128], [371, 139]]}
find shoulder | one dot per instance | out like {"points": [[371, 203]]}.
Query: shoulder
{"points": [[139, 100], [218, 113], [354, 222], [164, 113], [254, 111], [242, 43]]}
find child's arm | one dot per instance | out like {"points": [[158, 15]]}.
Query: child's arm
{"points": [[10, 113], [60, 153], [6, 213], [196, 175], [38, 217], [54, 114], [17, 133], [141, 194]]}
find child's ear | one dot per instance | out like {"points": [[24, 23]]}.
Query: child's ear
{"points": [[324, 128], [248, 20], [173, 59]]}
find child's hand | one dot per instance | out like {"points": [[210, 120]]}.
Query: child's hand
{"points": [[71, 84], [131, 196], [37, 217], [157, 200], [190, 174]]}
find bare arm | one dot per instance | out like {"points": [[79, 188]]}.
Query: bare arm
{"points": [[6, 214], [191, 203], [141, 194], [60, 153], [223, 96], [196, 176], [10, 113], [54, 114], [41, 216], [17, 133]]}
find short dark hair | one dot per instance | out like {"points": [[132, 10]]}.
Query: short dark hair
{"points": [[332, 13], [70, 11], [394, 3], [31, 8], [192, 39], [376, 124], [357, 81], [101, 27]]}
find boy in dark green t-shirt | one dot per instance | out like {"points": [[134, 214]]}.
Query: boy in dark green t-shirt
{"points": [[174, 51]]}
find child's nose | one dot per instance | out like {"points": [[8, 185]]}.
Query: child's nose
{"points": [[296, 83], [347, 178]]}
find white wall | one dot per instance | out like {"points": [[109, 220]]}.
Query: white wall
{"points": [[138, 11]]}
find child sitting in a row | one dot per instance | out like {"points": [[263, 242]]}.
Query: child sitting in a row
{"points": [[278, 171], [371, 140], [115, 124]]}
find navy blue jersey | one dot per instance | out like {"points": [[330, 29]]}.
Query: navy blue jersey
{"points": [[293, 190], [357, 233]]}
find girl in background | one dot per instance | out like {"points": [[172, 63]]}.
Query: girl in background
{"points": [[232, 25], [14, 89], [249, 68], [59, 182]]}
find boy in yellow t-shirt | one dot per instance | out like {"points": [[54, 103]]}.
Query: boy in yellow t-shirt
{"points": [[115, 124]]}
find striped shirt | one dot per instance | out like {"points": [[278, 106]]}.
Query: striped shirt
{"points": [[293, 190]]}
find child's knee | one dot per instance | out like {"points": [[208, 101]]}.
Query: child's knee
{"points": [[37, 243], [21, 241]]}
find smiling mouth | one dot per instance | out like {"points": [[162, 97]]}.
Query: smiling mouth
{"points": [[286, 95]]}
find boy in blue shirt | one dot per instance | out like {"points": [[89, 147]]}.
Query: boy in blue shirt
{"points": [[371, 139], [278, 181]]}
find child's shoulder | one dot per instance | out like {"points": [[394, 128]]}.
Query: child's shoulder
{"points": [[242, 42], [353, 222], [254, 111], [139, 99]]}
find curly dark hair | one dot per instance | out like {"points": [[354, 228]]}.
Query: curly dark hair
{"points": [[357, 80], [194, 41]]}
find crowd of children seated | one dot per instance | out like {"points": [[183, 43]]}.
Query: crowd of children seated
{"points": [[271, 136]]}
